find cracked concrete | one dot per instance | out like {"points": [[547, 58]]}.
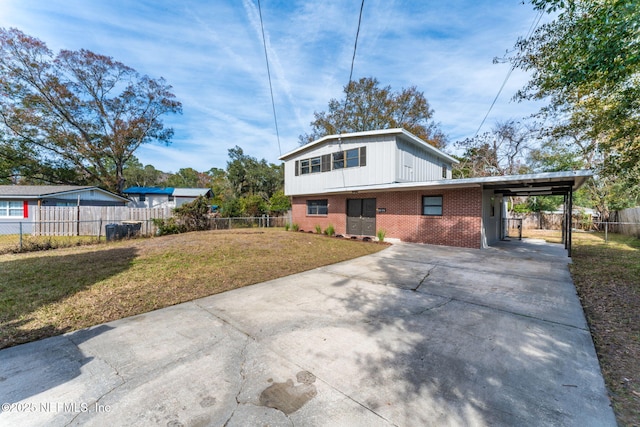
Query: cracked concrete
{"points": [[412, 335]]}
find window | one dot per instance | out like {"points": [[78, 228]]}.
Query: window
{"points": [[142, 197], [317, 207], [304, 167], [315, 164], [338, 160], [444, 171], [170, 198], [327, 162], [353, 158], [14, 209], [350, 158], [432, 205]]}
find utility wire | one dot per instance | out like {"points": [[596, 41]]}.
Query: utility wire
{"points": [[266, 57], [353, 59], [532, 28]]}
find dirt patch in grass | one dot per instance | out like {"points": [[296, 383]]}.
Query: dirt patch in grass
{"points": [[607, 278], [49, 293]]}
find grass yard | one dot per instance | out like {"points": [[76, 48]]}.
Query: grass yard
{"points": [[607, 278], [11, 242], [49, 293]]}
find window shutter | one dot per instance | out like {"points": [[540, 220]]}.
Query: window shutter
{"points": [[297, 166], [326, 163], [25, 209], [363, 156]]}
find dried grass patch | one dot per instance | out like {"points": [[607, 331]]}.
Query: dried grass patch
{"points": [[49, 293]]}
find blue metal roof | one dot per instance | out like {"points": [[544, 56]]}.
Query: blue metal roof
{"points": [[149, 190]]}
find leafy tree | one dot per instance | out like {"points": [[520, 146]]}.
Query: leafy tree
{"points": [[135, 174], [608, 190], [279, 203], [367, 106], [253, 205], [77, 109], [586, 63], [499, 152], [248, 176], [189, 178]]}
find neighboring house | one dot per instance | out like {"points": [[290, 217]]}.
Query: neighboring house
{"points": [[393, 181], [154, 197], [18, 202]]}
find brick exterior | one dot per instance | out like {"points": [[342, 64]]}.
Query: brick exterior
{"points": [[460, 223]]}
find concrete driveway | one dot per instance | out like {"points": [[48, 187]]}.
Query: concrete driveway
{"points": [[413, 335]]}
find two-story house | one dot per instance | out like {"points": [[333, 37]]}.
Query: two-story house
{"points": [[392, 180]]}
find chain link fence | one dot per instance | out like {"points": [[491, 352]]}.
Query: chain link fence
{"points": [[21, 236]]}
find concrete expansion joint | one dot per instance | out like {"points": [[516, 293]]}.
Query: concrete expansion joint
{"points": [[223, 320]]}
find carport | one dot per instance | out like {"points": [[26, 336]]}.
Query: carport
{"points": [[542, 184]]}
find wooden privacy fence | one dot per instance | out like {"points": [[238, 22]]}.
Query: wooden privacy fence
{"points": [[91, 220], [629, 220]]}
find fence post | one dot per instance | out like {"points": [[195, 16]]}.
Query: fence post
{"points": [[606, 232], [20, 236]]}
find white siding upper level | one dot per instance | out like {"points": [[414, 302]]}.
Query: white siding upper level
{"points": [[338, 162]]}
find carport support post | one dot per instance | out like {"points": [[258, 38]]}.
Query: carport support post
{"points": [[570, 221], [563, 224]]}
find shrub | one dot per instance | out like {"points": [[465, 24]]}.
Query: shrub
{"points": [[287, 226], [193, 216], [318, 229], [381, 234], [330, 231], [295, 227]]}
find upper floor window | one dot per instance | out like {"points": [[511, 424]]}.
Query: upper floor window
{"points": [[350, 158], [342, 159]]}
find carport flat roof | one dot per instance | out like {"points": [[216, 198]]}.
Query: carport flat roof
{"points": [[510, 185]]}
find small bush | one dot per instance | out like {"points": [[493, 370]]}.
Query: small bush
{"points": [[381, 235], [287, 226], [168, 226], [318, 229], [330, 231], [295, 227], [192, 216]]}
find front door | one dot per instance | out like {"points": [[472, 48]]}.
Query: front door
{"points": [[361, 217]]}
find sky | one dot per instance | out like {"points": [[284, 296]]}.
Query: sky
{"points": [[212, 54]]}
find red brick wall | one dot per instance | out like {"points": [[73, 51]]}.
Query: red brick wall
{"points": [[460, 223]]}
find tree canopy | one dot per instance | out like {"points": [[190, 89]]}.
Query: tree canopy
{"points": [[503, 151], [76, 116], [367, 106], [586, 63]]}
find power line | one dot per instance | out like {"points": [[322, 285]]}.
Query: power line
{"points": [[532, 28], [266, 57], [353, 59]]}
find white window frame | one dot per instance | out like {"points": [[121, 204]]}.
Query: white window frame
{"points": [[318, 207], [7, 207]]}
